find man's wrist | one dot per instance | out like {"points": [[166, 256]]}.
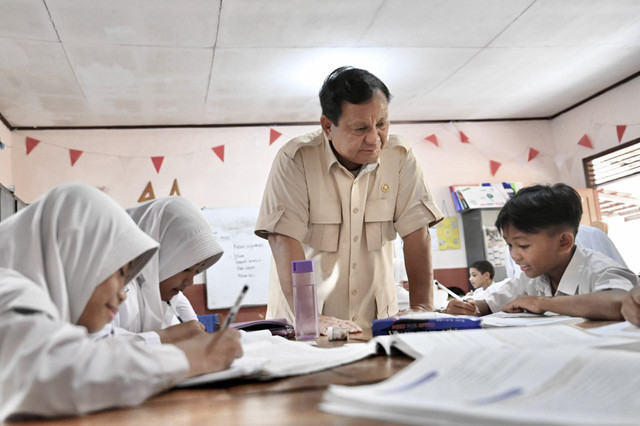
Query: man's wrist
{"points": [[421, 307]]}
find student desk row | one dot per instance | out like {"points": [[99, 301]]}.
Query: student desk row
{"points": [[287, 401]]}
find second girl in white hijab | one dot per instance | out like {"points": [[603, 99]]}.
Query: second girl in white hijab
{"points": [[63, 263]]}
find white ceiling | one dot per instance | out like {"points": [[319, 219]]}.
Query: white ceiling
{"points": [[190, 62]]}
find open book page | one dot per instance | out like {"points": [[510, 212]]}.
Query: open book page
{"points": [[523, 319], [619, 329], [268, 357], [565, 385], [419, 344]]}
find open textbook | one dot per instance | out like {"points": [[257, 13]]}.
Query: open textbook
{"points": [[566, 385], [269, 357], [526, 319]]}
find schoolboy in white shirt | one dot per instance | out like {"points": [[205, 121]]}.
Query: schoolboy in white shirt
{"points": [[540, 224]]}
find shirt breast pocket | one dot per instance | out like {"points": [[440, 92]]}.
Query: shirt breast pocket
{"points": [[378, 223], [325, 219]]}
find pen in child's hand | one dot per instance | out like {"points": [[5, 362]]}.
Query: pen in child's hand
{"points": [[175, 312], [452, 294], [230, 317]]}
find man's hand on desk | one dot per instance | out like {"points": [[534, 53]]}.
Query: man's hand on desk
{"points": [[533, 304], [458, 307], [324, 322], [179, 332], [413, 309], [211, 352], [631, 307]]}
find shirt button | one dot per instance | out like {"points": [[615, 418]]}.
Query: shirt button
{"points": [[355, 210], [355, 239], [353, 266], [280, 207], [354, 292]]}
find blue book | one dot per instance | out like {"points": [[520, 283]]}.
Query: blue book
{"points": [[381, 327]]}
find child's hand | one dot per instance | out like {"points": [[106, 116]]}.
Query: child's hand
{"points": [[631, 307], [211, 352], [178, 332], [457, 307], [531, 304]]}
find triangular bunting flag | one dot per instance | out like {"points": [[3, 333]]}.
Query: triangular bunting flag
{"points": [[273, 136], [74, 154], [157, 163], [147, 194], [463, 137], [533, 153], [433, 139], [31, 143], [219, 151], [585, 141], [620, 130], [559, 160], [494, 167], [175, 189]]}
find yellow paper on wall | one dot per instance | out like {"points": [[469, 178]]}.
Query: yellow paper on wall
{"points": [[448, 234]]}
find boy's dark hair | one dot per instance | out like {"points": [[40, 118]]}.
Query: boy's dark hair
{"points": [[353, 85], [541, 207], [484, 266]]}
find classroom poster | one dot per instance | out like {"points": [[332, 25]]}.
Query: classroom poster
{"points": [[448, 234]]}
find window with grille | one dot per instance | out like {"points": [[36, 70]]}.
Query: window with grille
{"points": [[613, 164]]}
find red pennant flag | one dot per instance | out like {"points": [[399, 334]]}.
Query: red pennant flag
{"points": [[533, 153], [157, 163], [494, 167], [585, 141], [74, 154], [463, 137], [620, 129], [433, 139], [219, 151], [273, 136], [31, 143]]}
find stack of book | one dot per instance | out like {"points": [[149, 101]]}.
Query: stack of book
{"points": [[486, 195]]}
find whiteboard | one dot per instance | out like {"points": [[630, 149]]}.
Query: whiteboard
{"points": [[246, 259]]}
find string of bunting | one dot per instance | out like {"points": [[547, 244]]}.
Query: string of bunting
{"points": [[531, 153], [157, 161]]}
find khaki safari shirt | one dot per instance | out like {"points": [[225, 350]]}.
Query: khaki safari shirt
{"points": [[345, 223]]}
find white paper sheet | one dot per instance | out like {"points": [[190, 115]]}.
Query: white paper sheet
{"points": [[525, 319]]}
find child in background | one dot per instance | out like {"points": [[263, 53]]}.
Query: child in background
{"points": [[631, 307], [481, 277], [63, 263], [187, 247], [540, 224]]}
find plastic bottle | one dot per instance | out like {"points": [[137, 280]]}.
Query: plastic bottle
{"points": [[305, 303]]}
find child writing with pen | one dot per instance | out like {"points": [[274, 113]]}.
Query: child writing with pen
{"points": [[540, 224], [155, 309], [64, 261]]}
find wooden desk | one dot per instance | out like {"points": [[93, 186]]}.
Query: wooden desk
{"points": [[288, 401]]}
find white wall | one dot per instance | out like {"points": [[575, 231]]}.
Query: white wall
{"points": [[598, 119], [6, 177], [119, 160]]}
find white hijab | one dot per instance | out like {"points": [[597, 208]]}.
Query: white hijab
{"points": [[55, 252], [185, 239]]}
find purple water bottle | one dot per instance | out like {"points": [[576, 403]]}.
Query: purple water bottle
{"points": [[305, 304]]}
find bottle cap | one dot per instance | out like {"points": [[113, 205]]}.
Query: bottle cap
{"points": [[301, 266]]}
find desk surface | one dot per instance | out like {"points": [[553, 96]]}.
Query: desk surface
{"points": [[287, 401]]}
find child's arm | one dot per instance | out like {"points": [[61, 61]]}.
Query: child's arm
{"points": [[631, 307], [601, 305]]}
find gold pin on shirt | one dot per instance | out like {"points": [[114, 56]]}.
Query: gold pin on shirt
{"points": [[385, 187]]}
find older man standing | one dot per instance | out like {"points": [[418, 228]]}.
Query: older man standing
{"points": [[338, 196]]}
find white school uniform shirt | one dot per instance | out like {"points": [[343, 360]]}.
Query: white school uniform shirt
{"points": [[53, 254], [588, 237], [185, 239], [588, 271]]}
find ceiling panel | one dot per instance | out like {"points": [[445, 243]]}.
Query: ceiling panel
{"points": [[295, 23], [26, 19], [188, 23], [438, 23], [575, 23]]}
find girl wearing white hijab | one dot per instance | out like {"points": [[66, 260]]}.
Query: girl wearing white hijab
{"points": [[187, 247], [64, 260]]}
